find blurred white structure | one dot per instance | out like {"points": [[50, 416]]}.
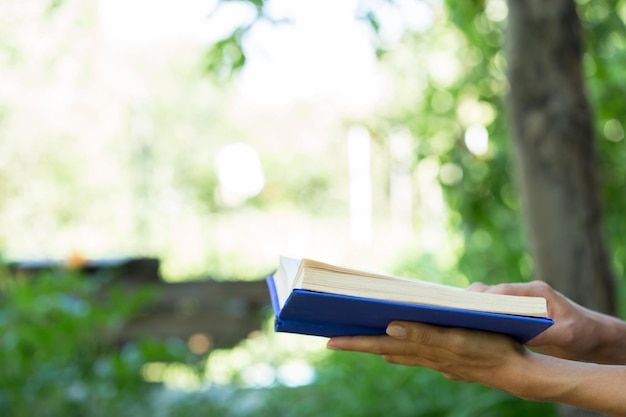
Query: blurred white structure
{"points": [[477, 139], [359, 162], [239, 172], [401, 191]]}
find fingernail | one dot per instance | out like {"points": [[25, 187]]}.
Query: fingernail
{"points": [[331, 345], [396, 330]]}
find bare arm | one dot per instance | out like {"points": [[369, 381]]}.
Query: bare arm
{"points": [[498, 362], [578, 333]]}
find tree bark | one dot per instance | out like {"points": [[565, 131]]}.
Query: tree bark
{"points": [[553, 134]]}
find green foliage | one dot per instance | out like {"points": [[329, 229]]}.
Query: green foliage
{"points": [[481, 196], [484, 200], [371, 387], [54, 353], [58, 360], [57, 353], [605, 38], [308, 189], [484, 204], [351, 384], [226, 56]]}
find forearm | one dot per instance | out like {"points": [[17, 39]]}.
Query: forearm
{"points": [[609, 338], [499, 362], [579, 333], [596, 387]]}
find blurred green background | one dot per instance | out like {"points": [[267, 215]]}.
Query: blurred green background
{"points": [[216, 136]]}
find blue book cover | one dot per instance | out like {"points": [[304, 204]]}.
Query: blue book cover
{"points": [[323, 314]]}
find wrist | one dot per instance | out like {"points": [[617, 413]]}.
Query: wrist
{"points": [[526, 375], [586, 385], [544, 378], [609, 340]]}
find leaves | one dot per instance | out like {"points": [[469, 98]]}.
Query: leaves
{"points": [[56, 357], [226, 57]]}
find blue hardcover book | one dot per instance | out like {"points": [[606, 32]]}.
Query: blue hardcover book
{"points": [[313, 298]]}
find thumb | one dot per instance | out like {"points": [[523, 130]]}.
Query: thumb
{"points": [[479, 287]]}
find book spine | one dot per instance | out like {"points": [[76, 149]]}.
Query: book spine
{"points": [[271, 286]]}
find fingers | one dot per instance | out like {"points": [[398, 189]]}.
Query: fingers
{"points": [[404, 339], [421, 334], [463, 354], [377, 345], [478, 287], [534, 288], [393, 344]]}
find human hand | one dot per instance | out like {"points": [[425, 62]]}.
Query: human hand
{"points": [[460, 354], [496, 361], [500, 362], [578, 333]]}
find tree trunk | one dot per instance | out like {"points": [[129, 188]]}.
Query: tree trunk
{"points": [[553, 135]]}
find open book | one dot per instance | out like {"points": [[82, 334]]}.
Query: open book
{"points": [[316, 298]]}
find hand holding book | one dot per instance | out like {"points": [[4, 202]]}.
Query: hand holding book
{"points": [[316, 298], [498, 361]]}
